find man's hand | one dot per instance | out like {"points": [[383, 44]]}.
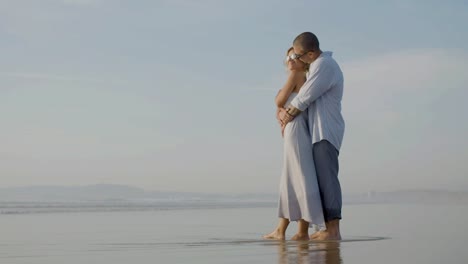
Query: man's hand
{"points": [[285, 117]]}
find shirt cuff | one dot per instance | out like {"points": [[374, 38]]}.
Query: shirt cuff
{"points": [[298, 104]]}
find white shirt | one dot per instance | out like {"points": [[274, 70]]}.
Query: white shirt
{"points": [[321, 95]]}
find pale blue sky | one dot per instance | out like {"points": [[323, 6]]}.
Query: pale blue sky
{"points": [[178, 95]]}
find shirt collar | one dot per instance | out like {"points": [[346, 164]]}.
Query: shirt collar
{"points": [[327, 53]]}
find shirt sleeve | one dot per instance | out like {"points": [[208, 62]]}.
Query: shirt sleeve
{"points": [[319, 82]]}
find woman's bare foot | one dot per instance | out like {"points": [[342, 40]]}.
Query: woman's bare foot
{"points": [[327, 235], [300, 237], [276, 235]]}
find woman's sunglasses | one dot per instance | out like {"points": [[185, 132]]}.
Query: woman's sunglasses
{"points": [[296, 56]]}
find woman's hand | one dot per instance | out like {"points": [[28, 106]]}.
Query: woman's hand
{"points": [[278, 110], [278, 118]]}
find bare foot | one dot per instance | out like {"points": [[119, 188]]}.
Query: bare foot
{"points": [[300, 237], [276, 235], [315, 235], [326, 235]]}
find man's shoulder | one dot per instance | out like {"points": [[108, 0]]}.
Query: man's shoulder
{"points": [[327, 57], [329, 61], [326, 62]]}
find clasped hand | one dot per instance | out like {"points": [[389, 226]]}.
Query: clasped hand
{"points": [[283, 118]]}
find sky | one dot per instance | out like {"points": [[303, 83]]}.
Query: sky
{"points": [[178, 95]]}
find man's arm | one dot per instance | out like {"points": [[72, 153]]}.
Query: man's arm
{"points": [[319, 82]]}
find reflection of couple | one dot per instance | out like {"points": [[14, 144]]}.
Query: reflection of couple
{"points": [[309, 112], [305, 253]]}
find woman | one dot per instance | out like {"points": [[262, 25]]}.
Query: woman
{"points": [[299, 193]]}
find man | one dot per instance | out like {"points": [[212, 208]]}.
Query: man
{"points": [[321, 97]]}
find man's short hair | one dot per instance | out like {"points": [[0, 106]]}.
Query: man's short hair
{"points": [[307, 41]]}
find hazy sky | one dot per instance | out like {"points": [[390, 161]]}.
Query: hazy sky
{"points": [[178, 94]]}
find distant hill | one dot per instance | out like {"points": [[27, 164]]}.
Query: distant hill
{"points": [[114, 192], [109, 197], [412, 196], [61, 193], [111, 192]]}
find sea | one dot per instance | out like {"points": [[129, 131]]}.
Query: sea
{"points": [[220, 232]]}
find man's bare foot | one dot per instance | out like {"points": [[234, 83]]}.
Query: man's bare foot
{"points": [[276, 235], [315, 235], [300, 237], [327, 235]]}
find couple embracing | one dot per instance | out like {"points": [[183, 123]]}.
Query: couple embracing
{"points": [[309, 112]]}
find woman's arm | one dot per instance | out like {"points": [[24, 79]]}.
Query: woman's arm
{"points": [[287, 89]]}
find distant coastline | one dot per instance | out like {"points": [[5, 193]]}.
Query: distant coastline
{"points": [[111, 197]]}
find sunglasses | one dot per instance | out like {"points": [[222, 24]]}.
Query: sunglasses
{"points": [[296, 56]]}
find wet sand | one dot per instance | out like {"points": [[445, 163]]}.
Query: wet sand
{"points": [[388, 233]]}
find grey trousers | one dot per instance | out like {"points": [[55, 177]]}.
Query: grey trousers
{"points": [[326, 165]]}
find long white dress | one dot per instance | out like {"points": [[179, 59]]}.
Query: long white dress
{"points": [[299, 190]]}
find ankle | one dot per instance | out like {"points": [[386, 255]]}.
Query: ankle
{"points": [[333, 231], [280, 231]]}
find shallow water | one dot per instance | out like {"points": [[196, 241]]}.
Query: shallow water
{"points": [[386, 233]]}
